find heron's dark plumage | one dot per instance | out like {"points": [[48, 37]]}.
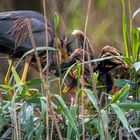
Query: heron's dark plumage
{"points": [[112, 68], [14, 29], [15, 41]]}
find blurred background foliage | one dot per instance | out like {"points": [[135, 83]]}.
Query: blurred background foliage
{"points": [[104, 25]]}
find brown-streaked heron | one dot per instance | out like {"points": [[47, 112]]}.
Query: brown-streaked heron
{"points": [[15, 38]]}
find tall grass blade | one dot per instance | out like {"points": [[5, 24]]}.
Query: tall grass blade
{"points": [[32, 50], [43, 108], [73, 111], [104, 123], [129, 105], [136, 12], [130, 21], [15, 74], [122, 82], [68, 70], [120, 115], [26, 120], [56, 20], [39, 130], [137, 66], [120, 94], [124, 29], [135, 44], [34, 82], [68, 114], [92, 98]]}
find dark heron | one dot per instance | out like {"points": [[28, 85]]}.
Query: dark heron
{"points": [[107, 68], [15, 38], [77, 56]]}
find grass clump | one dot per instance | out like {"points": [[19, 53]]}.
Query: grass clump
{"points": [[26, 113]]}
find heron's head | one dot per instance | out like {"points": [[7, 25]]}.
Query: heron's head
{"points": [[108, 64], [79, 38], [83, 42], [111, 68], [109, 51]]}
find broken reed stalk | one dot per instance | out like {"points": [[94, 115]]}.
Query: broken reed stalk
{"points": [[14, 119], [41, 76], [46, 80], [48, 101], [86, 22], [93, 86], [34, 47], [14, 127]]}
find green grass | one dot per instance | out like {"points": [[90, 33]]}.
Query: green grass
{"points": [[23, 114]]}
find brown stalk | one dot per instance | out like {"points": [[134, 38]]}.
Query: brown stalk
{"points": [[34, 47], [84, 47], [46, 89], [94, 87], [120, 134], [48, 102], [15, 128], [14, 119], [41, 76]]}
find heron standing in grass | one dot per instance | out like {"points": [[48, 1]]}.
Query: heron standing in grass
{"points": [[107, 68], [15, 39], [78, 56]]}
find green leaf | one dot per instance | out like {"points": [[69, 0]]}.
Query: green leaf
{"points": [[127, 60], [95, 77], [34, 82], [6, 87], [124, 29], [92, 98], [43, 108], [35, 98], [136, 66], [122, 82], [67, 113], [38, 48], [138, 28], [38, 131], [136, 12], [26, 120], [29, 122], [56, 20], [78, 67], [67, 72], [73, 111], [21, 88], [2, 119], [135, 44], [120, 94], [129, 105], [15, 74], [120, 115], [104, 119]]}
